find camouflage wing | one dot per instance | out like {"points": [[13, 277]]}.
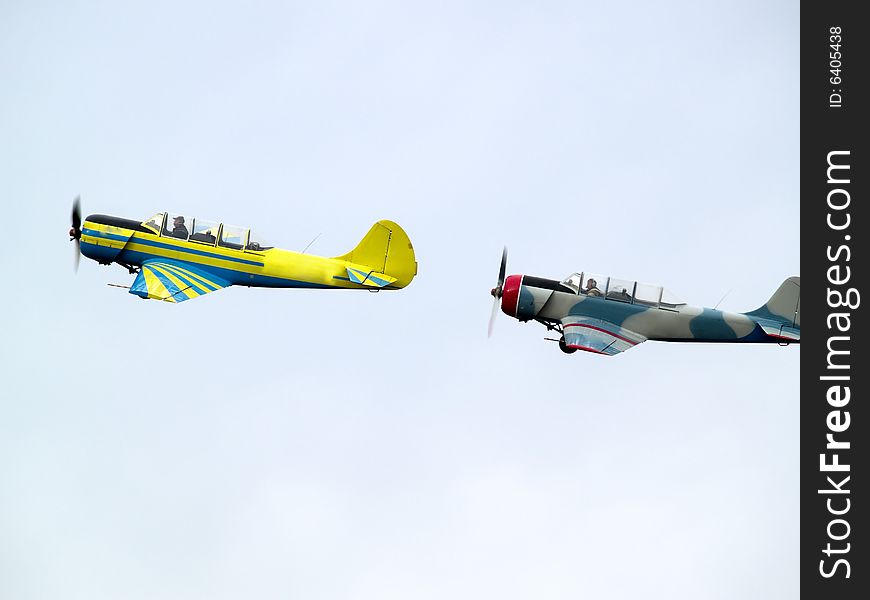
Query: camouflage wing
{"points": [[596, 335], [174, 281]]}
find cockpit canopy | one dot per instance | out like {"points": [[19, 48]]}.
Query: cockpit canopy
{"points": [[210, 233], [621, 290]]}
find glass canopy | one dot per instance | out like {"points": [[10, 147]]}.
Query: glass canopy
{"points": [[201, 231], [621, 290]]}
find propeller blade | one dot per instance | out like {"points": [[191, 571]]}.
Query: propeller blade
{"points": [[77, 213], [501, 269], [75, 233], [495, 304], [496, 292]]}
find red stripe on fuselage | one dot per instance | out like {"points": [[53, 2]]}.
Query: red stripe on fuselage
{"points": [[782, 337]]}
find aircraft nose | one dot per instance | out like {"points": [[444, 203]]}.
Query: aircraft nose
{"points": [[511, 295]]}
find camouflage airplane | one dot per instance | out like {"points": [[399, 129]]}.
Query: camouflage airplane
{"points": [[606, 315], [177, 257]]}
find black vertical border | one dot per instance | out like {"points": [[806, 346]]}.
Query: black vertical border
{"points": [[825, 129]]}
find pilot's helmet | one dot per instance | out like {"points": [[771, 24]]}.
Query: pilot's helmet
{"points": [[592, 282], [179, 219]]}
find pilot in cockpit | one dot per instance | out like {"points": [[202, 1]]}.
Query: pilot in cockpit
{"points": [[178, 228], [592, 288]]}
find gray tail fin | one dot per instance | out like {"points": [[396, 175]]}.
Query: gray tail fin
{"points": [[784, 305]]}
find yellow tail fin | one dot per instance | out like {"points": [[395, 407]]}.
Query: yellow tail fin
{"points": [[387, 250]]}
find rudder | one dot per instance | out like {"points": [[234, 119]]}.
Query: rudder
{"points": [[784, 305], [386, 249]]}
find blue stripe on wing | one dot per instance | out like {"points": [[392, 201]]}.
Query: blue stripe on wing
{"points": [[159, 279]]}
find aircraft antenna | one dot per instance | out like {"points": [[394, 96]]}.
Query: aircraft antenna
{"points": [[722, 298], [312, 241]]}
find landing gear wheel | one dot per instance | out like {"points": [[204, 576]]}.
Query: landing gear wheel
{"points": [[564, 347]]}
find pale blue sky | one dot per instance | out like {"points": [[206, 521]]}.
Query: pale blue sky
{"points": [[352, 445]]}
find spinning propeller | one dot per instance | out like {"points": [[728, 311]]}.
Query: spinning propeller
{"points": [[497, 291], [75, 232]]}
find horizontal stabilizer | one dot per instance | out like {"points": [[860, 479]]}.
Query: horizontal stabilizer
{"points": [[369, 278], [778, 330]]}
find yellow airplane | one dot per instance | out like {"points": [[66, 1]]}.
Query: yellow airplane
{"points": [[177, 257]]}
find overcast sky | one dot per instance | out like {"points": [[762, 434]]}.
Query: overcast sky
{"points": [[311, 444]]}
